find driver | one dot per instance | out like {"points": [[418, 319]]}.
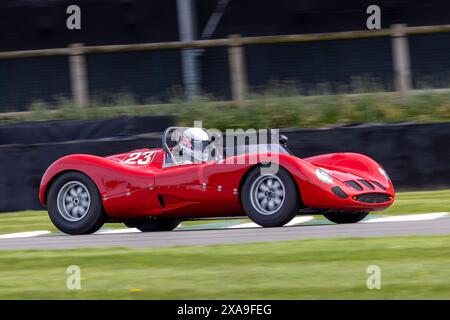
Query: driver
{"points": [[192, 146]]}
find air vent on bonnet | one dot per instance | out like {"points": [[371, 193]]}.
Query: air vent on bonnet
{"points": [[339, 192], [355, 185], [367, 184], [379, 185]]}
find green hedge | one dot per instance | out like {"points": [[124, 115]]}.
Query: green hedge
{"points": [[268, 110]]}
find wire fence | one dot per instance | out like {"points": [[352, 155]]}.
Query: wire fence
{"points": [[400, 58]]}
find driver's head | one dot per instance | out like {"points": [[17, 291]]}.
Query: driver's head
{"points": [[193, 143]]}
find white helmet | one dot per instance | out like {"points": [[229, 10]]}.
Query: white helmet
{"points": [[194, 143]]}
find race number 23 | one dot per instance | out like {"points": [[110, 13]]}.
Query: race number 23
{"points": [[139, 158]]}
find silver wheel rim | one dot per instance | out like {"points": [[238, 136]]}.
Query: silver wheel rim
{"points": [[267, 194], [73, 201]]}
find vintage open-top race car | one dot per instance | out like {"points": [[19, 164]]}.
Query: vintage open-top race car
{"points": [[156, 189]]}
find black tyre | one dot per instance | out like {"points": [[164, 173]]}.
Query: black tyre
{"points": [[160, 225], [345, 217], [270, 200], [74, 204]]}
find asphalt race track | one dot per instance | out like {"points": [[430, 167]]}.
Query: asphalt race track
{"points": [[230, 236]]}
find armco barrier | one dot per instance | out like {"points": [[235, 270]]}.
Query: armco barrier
{"points": [[415, 155]]}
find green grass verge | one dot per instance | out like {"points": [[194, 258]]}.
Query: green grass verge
{"points": [[420, 202], [406, 203], [278, 107], [411, 268], [32, 221]]}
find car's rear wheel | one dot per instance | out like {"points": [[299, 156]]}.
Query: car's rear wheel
{"points": [[345, 217], [160, 225], [270, 200], [74, 204]]}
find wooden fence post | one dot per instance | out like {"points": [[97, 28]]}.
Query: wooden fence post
{"points": [[238, 76], [78, 75], [400, 56]]}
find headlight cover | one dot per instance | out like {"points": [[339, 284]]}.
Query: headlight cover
{"points": [[323, 176], [383, 172]]}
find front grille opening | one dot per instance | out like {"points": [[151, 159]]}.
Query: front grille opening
{"points": [[355, 185], [367, 184], [379, 185], [373, 198]]}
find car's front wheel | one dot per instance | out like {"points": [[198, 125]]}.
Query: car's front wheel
{"points": [[74, 204], [270, 199], [345, 217], [160, 225]]}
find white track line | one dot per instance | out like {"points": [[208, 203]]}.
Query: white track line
{"points": [[295, 221], [411, 217], [27, 234], [126, 230]]}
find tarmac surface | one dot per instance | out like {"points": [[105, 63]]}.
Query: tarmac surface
{"points": [[230, 235]]}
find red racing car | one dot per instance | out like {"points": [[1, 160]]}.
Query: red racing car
{"points": [[156, 189]]}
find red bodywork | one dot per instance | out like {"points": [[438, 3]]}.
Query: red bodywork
{"points": [[144, 187]]}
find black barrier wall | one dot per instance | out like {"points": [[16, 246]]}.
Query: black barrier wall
{"points": [[414, 155], [69, 130]]}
